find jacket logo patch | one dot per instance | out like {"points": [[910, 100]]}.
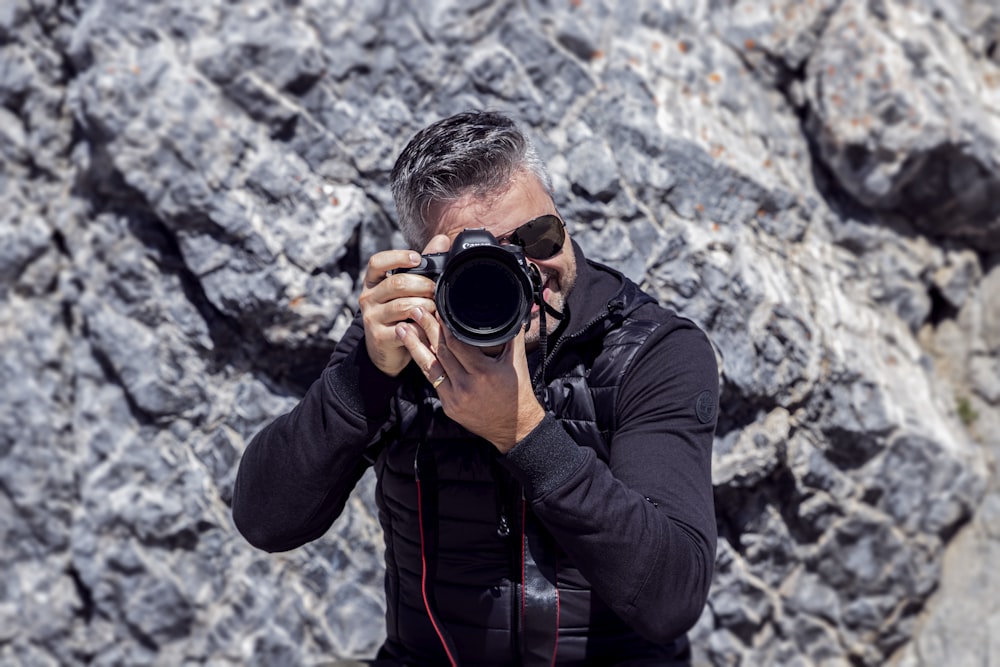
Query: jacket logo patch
{"points": [[704, 407]]}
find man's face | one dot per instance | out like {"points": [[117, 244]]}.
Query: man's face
{"points": [[500, 214]]}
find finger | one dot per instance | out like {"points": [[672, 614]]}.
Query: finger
{"points": [[435, 332], [412, 338], [396, 310], [516, 345], [379, 321], [515, 349], [391, 300], [381, 263]]}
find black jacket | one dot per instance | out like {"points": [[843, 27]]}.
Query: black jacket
{"points": [[614, 540]]}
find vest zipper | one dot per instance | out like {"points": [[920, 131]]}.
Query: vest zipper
{"points": [[613, 305], [513, 551], [505, 489]]}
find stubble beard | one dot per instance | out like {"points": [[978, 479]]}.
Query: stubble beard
{"points": [[557, 302]]}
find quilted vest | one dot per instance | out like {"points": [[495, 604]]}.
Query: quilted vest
{"points": [[469, 570]]}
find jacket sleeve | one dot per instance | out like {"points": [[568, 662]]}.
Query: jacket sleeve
{"points": [[640, 527], [297, 473]]}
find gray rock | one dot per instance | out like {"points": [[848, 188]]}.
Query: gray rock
{"points": [[894, 111]]}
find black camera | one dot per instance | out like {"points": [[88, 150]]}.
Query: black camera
{"points": [[484, 291]]}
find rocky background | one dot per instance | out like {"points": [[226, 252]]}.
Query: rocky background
{"points": [[188, 191]]}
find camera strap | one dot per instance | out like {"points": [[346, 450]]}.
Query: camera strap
{"points": [[543, 339], [425, 472]]}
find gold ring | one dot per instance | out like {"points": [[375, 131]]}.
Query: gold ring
{"points": [[437, 382]]}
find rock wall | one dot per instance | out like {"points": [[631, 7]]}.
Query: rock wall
{"points": [[188, 191]]}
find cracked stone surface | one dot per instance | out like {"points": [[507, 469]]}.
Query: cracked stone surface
{"points": [[190, 189]]}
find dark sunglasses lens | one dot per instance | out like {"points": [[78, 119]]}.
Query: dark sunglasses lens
{"points": [[542, 238]]}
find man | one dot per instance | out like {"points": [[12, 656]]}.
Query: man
{"points": [[547, 502]]}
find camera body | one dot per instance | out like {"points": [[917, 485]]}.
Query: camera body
{"points": [[483, 290]]}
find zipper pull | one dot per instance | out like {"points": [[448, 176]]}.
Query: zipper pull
{"points": [[503, 528]]}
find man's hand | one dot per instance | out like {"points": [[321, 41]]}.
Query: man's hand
{"points": [[489, 395], [386, 300]]}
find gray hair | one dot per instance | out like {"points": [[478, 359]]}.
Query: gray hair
{"points": [[475, 152]]}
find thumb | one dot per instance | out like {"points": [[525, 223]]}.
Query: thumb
{"points": [[515, 349], [517, 342]]}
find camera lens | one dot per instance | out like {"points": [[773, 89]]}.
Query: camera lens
{"points": [[484, 296]]}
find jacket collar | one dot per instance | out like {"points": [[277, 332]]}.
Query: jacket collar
{"points": [[599, 291]]}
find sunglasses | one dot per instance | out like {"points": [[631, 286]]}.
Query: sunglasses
{"points": [[541, 238]]}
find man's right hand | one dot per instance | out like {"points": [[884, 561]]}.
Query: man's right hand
{"points": [[386, 300]]}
